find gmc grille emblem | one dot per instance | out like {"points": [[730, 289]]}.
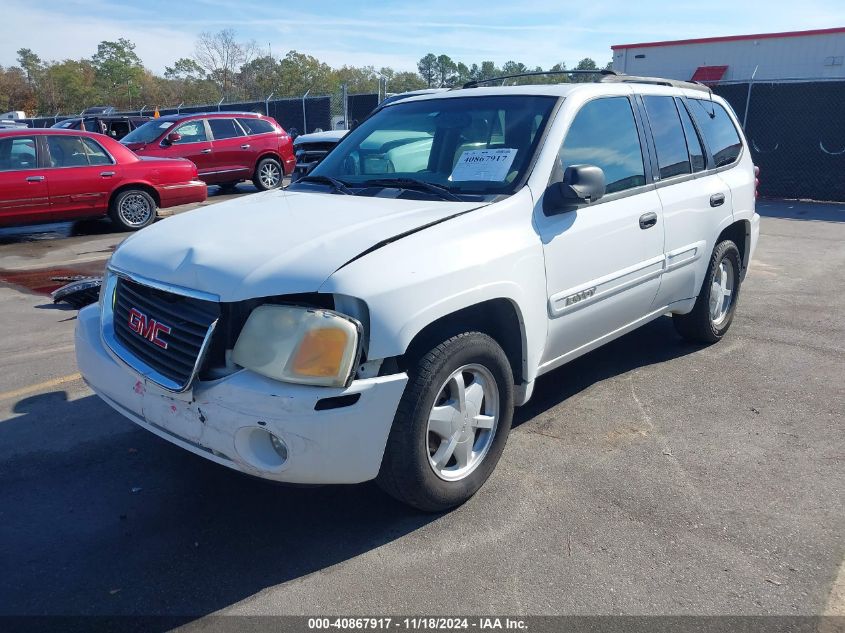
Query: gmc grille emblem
{"points": [[149, 328]]}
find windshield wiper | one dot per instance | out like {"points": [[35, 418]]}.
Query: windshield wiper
{"points": [[337, 185], [413, 183]]}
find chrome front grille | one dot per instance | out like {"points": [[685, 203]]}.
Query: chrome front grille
{"points": [[161, 334]]}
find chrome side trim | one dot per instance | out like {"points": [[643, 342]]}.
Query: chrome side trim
{"points": [[128, 358]]}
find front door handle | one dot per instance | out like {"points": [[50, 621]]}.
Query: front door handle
{"points": [[245, 146], [717, 199], [648, 220], [34, 178], [205, 151], [107, 174]]}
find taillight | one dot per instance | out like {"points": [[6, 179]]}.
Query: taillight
{"points": [[756, 180]]}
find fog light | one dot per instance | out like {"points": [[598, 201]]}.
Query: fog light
{"points": [[280, 447]]}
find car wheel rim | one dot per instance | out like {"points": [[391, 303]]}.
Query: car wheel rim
{"points": [[135, 210], [269, 175], [722, 292], [462, 423]]}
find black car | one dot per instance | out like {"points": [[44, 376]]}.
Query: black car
{"points": [[114, 125]]}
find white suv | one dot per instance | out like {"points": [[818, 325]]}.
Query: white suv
{"points": [[382, 317]]}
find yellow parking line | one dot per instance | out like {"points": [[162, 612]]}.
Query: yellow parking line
{"points": [[41, 386]]}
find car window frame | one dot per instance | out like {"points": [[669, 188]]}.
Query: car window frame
{"points": [[711, 161], [658, 176], [645, 148], [272, 129], [38, 153], [178, 125], [680, 103]]}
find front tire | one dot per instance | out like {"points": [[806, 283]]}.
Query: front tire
{"points": [[133, 209], [268, 174], [714, 308], [451, 425]]}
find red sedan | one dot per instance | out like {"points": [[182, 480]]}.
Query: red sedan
{"points": [[47, 175]]}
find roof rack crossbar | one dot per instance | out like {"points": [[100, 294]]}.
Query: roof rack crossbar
{"points": [[604, 72]]}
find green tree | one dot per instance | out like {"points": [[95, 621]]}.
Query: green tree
{"points": [[427, 67], [585, 64], [118, 71], [405, 82], [16, 93], [445, 71], [31, 65], [184, 69]]}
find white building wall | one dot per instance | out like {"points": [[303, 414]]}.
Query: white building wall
{"points": [[797, 57]]}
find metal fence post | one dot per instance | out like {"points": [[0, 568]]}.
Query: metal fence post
{"points": [[141, 112], [219, 102], [179, 107], [748, 97], [344, 91], [267, 104], [304, 120]]}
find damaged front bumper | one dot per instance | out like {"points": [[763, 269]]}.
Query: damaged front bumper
{"points": [[233, 420]]}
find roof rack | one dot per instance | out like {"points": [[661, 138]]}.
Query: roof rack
{"points": [[605, 76], [655, 81], [476, 82]]}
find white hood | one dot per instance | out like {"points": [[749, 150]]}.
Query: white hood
{"points": [[271, 243]]}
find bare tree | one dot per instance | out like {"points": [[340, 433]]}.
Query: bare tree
{"points": [[221, 55]]}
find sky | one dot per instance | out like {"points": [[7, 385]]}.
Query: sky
{"points": [[396, 33]]}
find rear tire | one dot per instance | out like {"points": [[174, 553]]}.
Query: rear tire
{"points": [[133, 209], [451, 425], [714, 308], [268, 174]]}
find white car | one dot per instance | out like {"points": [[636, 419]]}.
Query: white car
{"points": [[382, 317]]}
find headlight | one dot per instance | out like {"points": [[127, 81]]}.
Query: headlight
{"points": [[302, 345]]}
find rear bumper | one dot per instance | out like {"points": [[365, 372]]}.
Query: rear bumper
{"points": [[228, 420], [182, 193]]}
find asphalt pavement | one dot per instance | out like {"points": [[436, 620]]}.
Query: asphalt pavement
{"points": [[649, 477]]}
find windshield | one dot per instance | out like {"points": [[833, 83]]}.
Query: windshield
{"points": [[147, 133], [465, 145]]}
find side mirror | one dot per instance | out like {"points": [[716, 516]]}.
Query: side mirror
{"points": [[582, 184], [173, 137]]}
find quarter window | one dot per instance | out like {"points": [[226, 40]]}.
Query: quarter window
{"points": [[694, 146], [604, 134], [668, 134], [718, 130], [191, 132], [224, 128], [96, 154], [17, 153]]}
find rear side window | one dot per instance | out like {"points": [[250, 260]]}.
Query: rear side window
{"points": [[718, 130], [694, 146], [604, 134], [67, 151], [224, 128], [17, 153], [668, 134], [256, 126], [96, 154]]}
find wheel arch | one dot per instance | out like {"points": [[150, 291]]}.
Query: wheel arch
{"points": [[499, 318], [135, 185], [739, 233], [269, 154]]}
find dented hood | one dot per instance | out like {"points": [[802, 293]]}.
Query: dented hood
{"points": [[272, 243]]}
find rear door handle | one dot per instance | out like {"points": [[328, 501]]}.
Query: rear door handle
{"points": [[648, 220], [34, 178], [245, 146], [205, 151], [107, 174], [717, 199]]}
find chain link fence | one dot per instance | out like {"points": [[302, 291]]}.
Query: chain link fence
{"points": [[796, 131], [298, 115]]}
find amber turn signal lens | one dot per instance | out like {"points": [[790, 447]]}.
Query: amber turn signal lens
{"points": [[320, 353]]}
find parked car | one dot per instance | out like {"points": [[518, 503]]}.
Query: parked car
{"points": [[47, 175], [310, 149], [227, 147], [115, 126], [381, 317]]}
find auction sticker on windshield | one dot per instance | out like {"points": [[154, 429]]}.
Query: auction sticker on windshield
{"points": [[484, 164]]}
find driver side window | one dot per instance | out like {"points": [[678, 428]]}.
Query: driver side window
{"points": [[192, 132], [604, 134]]}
